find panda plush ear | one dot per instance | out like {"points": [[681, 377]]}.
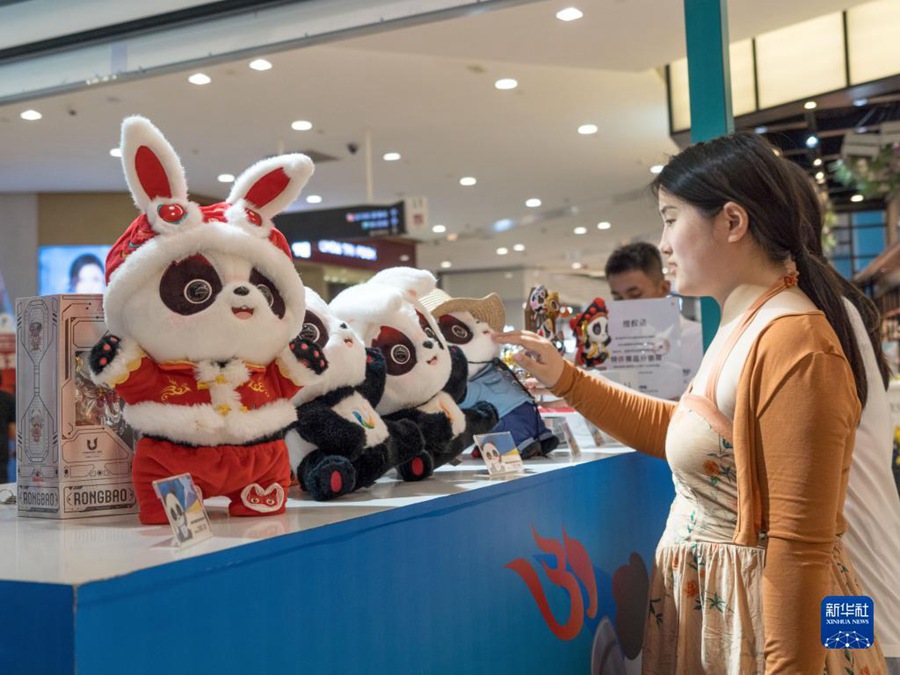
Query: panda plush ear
{"points": [[365, 306], [412, 281], [152, 169]]}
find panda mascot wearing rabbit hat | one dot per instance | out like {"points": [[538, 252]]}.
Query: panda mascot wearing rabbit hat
{"points": [[204, 309]]}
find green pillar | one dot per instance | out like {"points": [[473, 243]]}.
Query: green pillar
{"points": [[709, 77]]}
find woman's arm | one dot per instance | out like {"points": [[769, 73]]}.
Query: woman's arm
{"points": [[634, 419], [637, 420]]}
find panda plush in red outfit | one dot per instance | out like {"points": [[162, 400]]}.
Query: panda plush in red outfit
{"points": [[204, 309], [425, 377], [339, 443], [591, 330]]}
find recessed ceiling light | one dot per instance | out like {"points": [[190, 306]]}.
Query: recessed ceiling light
{"points": [[439, 229], [857, 198], [506, 83], [820, 175], [587, 129], [533, 203], [260, 64], [569, 14], [225, 178], [577, 265], [656, 168], [860, 102], [313, 199], [391, 156], [467, 181], [502, 250], [30, 115], [761, 129], [604, 225], [810, 105], [446, 264], [519, 247], [404, 258], [115, 152], [817, 161], [301, 125], [199, 78], [580, 230], [812, 141]]}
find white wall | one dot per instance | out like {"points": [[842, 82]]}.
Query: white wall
{"points": [[19, 244]]}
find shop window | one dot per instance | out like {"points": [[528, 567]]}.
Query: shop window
{"points": [[859, 238]]}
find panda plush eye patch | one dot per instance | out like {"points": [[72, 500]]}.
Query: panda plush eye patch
{"points": [[426, 328], [314, 329], [398, 350], [454, 331]]}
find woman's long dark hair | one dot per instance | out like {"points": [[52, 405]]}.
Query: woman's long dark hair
{"points": [[813, 221], [744, 168]]}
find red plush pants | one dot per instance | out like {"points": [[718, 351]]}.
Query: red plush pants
{"points": [[255, 477]]}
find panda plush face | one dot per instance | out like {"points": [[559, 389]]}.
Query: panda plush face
{"points": [[211, 305], [343, 349], [597, 331], [194, 283], [417, 360], [472, 336], [387, 314]]}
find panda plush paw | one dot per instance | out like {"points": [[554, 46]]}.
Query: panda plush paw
{"points": [[418, 468], [326, 477], [309, 355], [104, 352]]}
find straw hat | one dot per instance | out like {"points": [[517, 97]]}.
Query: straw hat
{"points": [[488, 309]]}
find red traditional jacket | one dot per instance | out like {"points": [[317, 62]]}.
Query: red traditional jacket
{"points": [[207, 403]]}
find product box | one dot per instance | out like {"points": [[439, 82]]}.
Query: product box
{"points": [[74, 448]]}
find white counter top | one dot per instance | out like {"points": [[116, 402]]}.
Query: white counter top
{"points": [[74, 552]]}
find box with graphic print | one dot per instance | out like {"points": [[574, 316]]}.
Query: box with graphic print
{"points": [[74, 448]]}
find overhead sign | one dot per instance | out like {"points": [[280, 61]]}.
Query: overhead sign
{"points": [[408, 217]]}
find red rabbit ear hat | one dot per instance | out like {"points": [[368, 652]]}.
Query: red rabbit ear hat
{"points": [[591, 312]]}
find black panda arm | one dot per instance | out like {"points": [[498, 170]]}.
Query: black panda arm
{"points": [[320, 425], [372, 387], [459, 374]]}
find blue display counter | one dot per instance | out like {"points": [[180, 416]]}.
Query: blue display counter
{"points": [[457, 574]]}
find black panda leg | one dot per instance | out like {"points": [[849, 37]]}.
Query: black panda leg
{"points": [[372, 464], [325, 477], [418, 468]]}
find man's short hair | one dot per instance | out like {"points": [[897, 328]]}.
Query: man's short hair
{"points": [[639, 255]]}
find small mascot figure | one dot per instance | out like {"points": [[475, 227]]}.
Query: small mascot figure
{"points": [[541, 314], [204, 309], [591, 329], [339, 443], [425, 379], [467, 323]]}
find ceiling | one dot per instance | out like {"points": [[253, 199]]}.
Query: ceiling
{"points": [[428, 93]]}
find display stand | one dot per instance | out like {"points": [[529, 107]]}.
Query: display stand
{"points": [[400, 578]]}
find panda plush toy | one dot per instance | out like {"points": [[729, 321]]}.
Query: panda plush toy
{"points": [[468, 323], [425, 377], [339, 442], [591, 331], [204, 309]]}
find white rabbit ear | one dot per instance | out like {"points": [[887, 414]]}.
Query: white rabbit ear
{"points": [[270, 185], [414, 282], [152, 168]]}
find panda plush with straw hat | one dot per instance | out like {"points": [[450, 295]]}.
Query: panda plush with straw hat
{"points": [[467, 323], [204, 308]]}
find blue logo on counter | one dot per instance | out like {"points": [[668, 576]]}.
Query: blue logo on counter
{"points": [[848, 622]]}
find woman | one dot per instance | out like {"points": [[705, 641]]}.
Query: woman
{"points": [[760, 444]]}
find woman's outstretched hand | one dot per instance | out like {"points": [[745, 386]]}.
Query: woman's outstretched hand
{"points": [[538, 356]]}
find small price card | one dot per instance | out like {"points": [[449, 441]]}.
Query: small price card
{"points": [[500, 453], [184, 509]]}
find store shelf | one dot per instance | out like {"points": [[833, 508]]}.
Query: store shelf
{"points": [[410, 570]]}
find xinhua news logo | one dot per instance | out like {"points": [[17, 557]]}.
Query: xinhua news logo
{"points": [[848, 622]]}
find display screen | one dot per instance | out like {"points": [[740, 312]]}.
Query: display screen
{"points": [[71, 269]]}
